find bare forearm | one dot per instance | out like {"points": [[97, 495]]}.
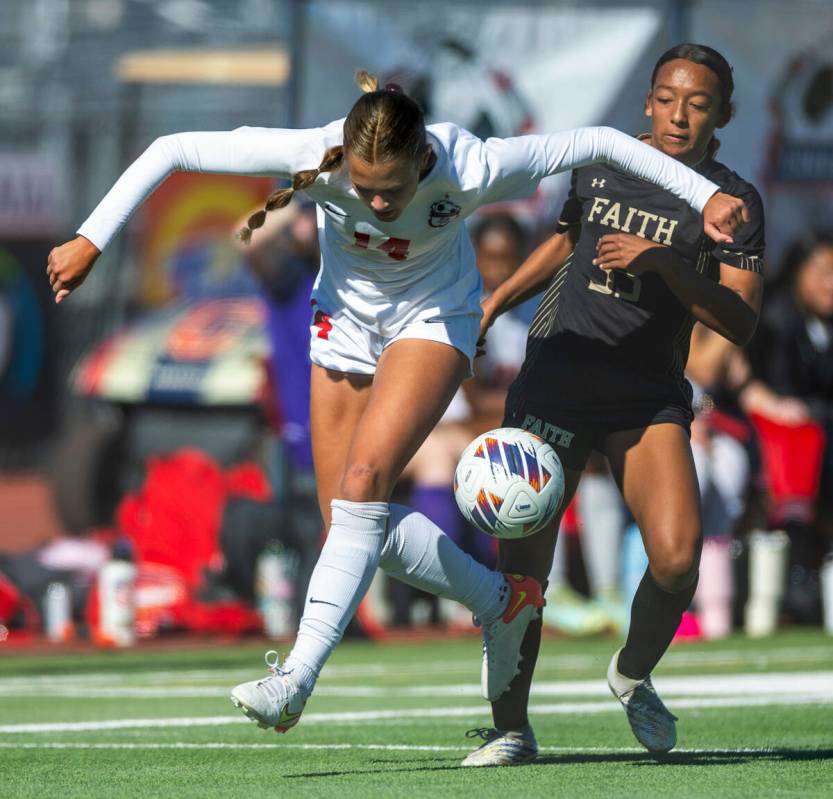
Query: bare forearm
{"points": [[533, 275], [718, 307], [708, 356], [757, 397]]}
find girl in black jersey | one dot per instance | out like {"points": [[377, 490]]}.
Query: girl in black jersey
{"points": [[629, 273]]}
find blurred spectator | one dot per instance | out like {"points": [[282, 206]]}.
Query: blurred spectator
{"points": [[719, 444], [791, 390], [598, 519], [500, 244], [283, 255]]}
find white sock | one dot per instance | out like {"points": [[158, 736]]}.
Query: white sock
{"points": [[618, 681], [344, 571], [418, 553], [603, 520]]}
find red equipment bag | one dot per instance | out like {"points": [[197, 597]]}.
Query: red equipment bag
{"points": [[792, 458]]}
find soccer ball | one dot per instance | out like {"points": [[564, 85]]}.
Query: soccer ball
{"points": [[509, 483]]}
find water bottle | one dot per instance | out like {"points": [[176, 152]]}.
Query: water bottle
{"points": [[117, 598], [275, 577], [768, 556], [827, 593], [57, 613]]}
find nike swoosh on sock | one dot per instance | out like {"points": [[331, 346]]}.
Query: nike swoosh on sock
{"points": [[322, 602]]}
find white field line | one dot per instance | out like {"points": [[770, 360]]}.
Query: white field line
{"points": [[818, 683], [757, 658], [370, 747], [411, 714]]}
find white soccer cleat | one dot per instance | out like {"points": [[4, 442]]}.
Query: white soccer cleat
{"points": [[502, 638], [276, 701], [652, 723], [502, 748]]}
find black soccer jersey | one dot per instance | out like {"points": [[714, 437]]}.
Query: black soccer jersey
{"points": [[609, 339]]}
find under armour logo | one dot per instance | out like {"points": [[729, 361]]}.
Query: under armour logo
{"points": [[598, 182]]}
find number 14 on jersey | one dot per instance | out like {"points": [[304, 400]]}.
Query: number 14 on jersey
{"points": [[395, 248]]}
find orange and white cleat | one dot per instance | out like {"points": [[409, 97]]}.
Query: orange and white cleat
{"points": [[502, 638], [275, 702]]}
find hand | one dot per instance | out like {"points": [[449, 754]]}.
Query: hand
{"points": [[623, 251], [68, 265], [759, 398], [722, 216], [486, 321], [789, 411]]}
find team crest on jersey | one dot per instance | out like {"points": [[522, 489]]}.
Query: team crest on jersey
{"points": [[442, 212]]}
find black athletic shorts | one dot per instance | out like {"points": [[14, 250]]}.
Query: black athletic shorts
{"points": [[576, 414]]}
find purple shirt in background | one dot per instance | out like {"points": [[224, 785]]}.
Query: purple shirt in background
{"points": [[288, 319]]}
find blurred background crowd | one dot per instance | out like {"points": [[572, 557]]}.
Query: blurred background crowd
{"points": [[154, 430]]}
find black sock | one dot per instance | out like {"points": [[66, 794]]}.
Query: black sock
{"points": [[655, 617], [510, 711]]}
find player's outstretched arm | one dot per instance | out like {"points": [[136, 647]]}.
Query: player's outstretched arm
{"points": [[514, 166], [245, 151], [722, 213]]}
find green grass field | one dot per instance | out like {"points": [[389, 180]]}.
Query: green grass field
{"points": [[756, 719]]}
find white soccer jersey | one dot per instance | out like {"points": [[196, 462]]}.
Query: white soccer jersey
{"points": [[387, 274]]}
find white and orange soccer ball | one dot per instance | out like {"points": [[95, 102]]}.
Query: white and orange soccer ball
{"points": [[509, 483]]}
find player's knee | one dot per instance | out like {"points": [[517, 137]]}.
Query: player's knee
{"points": [[675, 567], [364, 482]]}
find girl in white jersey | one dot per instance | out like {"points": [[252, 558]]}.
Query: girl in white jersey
{"points": [[395, 325]]}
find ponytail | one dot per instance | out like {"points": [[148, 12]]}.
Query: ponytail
{"points": [[367, 82], [303, 179]]}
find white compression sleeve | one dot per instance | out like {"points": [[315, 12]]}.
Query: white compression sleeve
{"points": [[418, 553], [245, 151], [515, 165], [338, 584]]}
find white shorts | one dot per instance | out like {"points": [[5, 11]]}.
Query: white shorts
{"points": [[338, 343]]}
